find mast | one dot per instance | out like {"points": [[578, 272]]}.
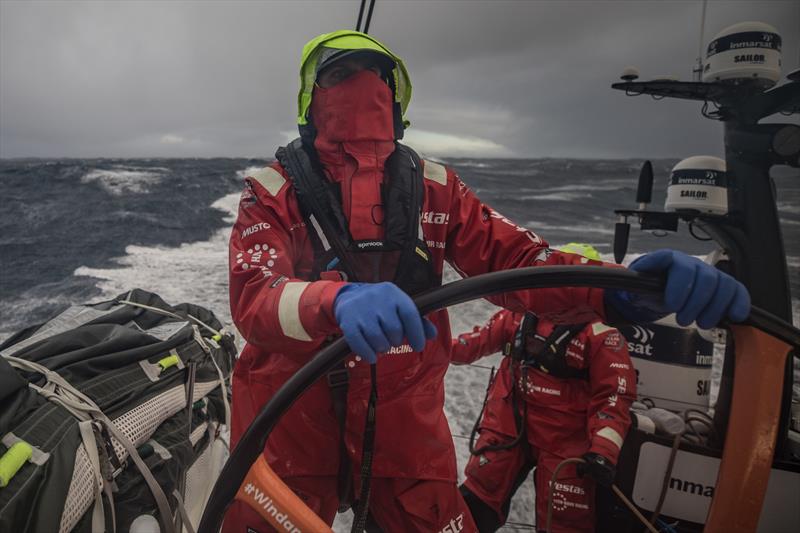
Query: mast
{"points": [[750, 233]]}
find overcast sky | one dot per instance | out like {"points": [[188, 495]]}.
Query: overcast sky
{"points": [[519, 79]]}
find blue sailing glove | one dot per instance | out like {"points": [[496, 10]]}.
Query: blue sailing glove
{"points": [[695, 291], [377, 316]]}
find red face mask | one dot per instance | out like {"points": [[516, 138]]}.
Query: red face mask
{"points": [[356, 109]]}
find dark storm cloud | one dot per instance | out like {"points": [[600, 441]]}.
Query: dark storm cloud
{"points": [[490, 78]]}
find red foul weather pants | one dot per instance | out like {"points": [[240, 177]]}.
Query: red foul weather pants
{"points": [[402, 505]]}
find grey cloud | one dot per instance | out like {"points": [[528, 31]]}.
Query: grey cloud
{"points": [[135, 78]]}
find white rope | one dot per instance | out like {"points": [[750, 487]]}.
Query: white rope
{"points": [[164, 312]]}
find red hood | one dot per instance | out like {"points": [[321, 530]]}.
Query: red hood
{"points": [[355, 136]]}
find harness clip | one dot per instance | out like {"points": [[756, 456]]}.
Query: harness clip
{"points": [[338, 378]]}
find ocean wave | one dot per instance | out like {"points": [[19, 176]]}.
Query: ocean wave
{"points": [[789, 208], [192, 272], [242, 174], [125, 179], [554, 197], [536, 227], [472, 164], [600, 186], [229, 204], [41, 302], [523, 172]]}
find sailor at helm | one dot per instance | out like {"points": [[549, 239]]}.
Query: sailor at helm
{"points": [[330, 240], [563, 391]]}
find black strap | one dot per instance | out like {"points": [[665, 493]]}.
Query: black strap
{"points": [[402, 195], [338, 382], [367, 454], [520, 418], [551, 358], [311, 189]]}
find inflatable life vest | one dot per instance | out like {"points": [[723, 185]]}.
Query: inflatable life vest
{"points": [[401, 257], [546, 354], [530, 350]]}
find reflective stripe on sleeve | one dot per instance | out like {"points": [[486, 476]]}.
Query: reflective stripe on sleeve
{"points": [[270, 179], [612, 435], [289, 311], [598, 328], [435, 172]]}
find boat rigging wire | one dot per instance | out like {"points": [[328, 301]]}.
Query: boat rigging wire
{"points": [[361, 16], [251, 444], [702, 30], [482, 367], [369, 16], [698, 72]]}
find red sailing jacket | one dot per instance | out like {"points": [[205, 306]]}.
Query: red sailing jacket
{"points": [[485, 340], [567, 417], [285, 318]]}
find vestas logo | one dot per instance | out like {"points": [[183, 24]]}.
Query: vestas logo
{"points": [[641, 339], [429, 217], [455, 525]]}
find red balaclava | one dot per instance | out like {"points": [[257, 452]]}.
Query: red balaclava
{"points": [[355, 135]]}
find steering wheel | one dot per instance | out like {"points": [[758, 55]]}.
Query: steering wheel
{"points": [[762, 344]]}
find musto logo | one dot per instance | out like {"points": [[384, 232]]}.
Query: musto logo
{"points": [[641, 341]]}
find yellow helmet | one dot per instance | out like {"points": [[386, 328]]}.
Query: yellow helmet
{"points": [[319, 49], [586, 250]]}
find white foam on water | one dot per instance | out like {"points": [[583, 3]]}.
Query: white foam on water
{"points": [[555, 197], [242, 174], [195, 272], [579, 230], [600, 186], [473, 164], [121, 179]]}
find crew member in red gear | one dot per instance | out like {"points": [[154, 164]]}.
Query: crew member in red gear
{"points": [[346, 202], [563, 391], [286, 312]]}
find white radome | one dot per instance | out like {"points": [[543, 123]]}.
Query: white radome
{"points": [[744, 52], [699, 184]]}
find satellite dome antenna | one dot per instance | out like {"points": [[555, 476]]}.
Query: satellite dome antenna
{"points": [[629, 73]]}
